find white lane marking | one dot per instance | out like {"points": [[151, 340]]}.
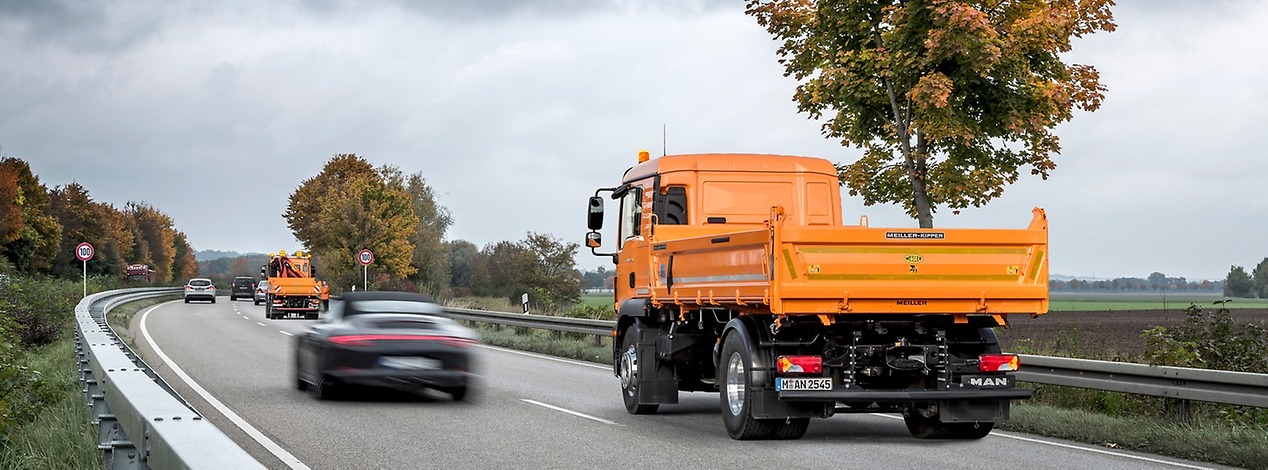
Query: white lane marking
{"points": [[574, 413], [1083, 448], [549, 358], [287, 333], [258, 323], [277, 451]]}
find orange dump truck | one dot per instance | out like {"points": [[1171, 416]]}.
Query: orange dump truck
{"points": [[293, 289], [735, 274]]}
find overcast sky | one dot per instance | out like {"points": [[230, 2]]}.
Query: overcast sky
{"points": [[514, 112]]}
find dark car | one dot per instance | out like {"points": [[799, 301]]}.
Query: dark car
{"points": [[243, 286], [395, 340]]}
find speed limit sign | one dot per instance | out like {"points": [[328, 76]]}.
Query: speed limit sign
{"points": [[365, 257], [84, 251]]}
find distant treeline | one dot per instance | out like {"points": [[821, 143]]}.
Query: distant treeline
{"points": [[1155, 282], [40, 227]]}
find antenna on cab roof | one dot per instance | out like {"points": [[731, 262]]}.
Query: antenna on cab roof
{"points": [[663, 146]]}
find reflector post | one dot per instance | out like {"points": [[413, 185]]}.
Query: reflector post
{"points": [[799, 364], [998, 362]]}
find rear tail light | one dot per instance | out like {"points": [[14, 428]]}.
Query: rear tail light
{"points": [[367, 340], [189, 287], [799, 364], [998, 362]]}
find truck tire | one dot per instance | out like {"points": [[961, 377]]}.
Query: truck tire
{"points": [[735, 384], [627, 370]]}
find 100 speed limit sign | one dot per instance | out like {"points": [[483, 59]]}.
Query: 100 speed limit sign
{"points": [[365, 257], [84, 251]]}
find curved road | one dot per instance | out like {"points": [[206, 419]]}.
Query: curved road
{"points": [[529, 411]]}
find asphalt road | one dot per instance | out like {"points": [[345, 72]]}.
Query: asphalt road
{"points": [[529, 411]]}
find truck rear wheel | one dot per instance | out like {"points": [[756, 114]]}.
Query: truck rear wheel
{"points": [[735, 381], [627, 365]]}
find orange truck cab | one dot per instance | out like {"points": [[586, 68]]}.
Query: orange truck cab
{"points": [[735, 274]]}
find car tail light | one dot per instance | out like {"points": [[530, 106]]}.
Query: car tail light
{"points": [[367, 340], [799, 364], [998, 362], [189, 287]]}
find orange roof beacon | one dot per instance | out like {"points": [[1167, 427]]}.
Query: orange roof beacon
{"points": [[735, 274]]}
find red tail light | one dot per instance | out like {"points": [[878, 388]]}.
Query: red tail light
{"points": [[368, 340], [189, 287], [799, 364], [998, 362]]}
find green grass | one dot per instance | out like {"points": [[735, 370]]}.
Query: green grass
{"points": [[1101, 301], [597, 300], [61, 436]]}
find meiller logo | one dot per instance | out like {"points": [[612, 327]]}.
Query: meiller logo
{"points": [[915, 235]]}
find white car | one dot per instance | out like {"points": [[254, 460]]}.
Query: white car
{"points": [[200, 289], [261, 292]]}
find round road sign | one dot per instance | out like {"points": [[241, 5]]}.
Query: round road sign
{"points": [[84, 251], [365, 257]]}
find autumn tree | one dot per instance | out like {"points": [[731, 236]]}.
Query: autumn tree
{"points": [[1238, 283], [431, 254], [29, 231], [85, 220], [540, 265], [155, 229], [184, 264], [949, 100], [349, 207]]}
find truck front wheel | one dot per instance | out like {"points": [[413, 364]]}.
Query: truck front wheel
{"points": [[627, 364], [736, 384]]}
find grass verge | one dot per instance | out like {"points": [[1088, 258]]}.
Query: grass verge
{"points": [[61, 436], [1216, 442], [120, 318]]}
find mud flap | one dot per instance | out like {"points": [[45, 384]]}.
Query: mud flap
{"points": [[766, 404], [968, 411], [657, 384]]}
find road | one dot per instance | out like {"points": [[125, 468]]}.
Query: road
{"points": [[529, 411]]}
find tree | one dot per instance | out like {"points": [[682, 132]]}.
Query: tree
{"points": [[29, 231], [184, 265], [431, 255], [948, 99], [345, 209], [1260, 276], [155, 230], [462, 257], [1157, 281], [1238, 283]]}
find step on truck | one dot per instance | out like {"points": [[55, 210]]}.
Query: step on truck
{"points": [[735, 274], [293, 288]]}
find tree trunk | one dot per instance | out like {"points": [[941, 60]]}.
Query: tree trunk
{"points": [[920, 194]]}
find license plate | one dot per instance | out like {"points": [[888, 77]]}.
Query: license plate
{"points": [[989, 381], [395, 362], [816, 383]]}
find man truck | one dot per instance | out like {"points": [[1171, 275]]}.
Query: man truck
{"points": [[736, 275], [293, 288]]}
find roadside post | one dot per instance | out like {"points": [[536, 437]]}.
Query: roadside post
{"points": [[524, 302], [365, 257], [84, 252]]}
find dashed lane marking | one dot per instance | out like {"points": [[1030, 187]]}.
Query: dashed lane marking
{"points": [[574, 413]]}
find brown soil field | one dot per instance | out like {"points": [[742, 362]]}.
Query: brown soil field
{"points": [[1110, 335]]}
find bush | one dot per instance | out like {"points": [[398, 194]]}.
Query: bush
{"points": [[1209, 341]]}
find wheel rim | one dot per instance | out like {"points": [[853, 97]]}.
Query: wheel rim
{"points": [[629, 369], [735, 384]]}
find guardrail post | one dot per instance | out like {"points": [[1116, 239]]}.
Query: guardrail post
{"points": [[1181, 410]]}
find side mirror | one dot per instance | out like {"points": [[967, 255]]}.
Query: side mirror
{"points": [[594, 240], [595, 215]]}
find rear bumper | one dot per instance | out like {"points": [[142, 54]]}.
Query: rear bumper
{"points": [[403, 379], [903, 396], [200, 296]]}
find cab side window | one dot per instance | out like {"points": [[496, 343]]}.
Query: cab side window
{"points": [[631, 214]]}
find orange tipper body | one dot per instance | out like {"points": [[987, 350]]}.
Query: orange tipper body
{"points": [[763, 234], [294, 291], [735, 274]]}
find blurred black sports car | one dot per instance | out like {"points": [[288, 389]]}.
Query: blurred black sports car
{"points": [[385, 339]]}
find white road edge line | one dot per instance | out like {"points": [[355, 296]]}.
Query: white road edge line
{"points": [[287, 333], [549, 358], [574, 413], [1083, 448], [277, 451]]}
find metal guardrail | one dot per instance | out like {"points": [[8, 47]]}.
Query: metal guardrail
{"points": [[1215, 386], [141, 422]]}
